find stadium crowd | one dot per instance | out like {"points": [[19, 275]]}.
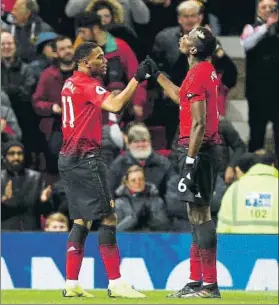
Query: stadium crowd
{"points": [[38, 39]]}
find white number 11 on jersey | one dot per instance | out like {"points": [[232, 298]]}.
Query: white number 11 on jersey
{"points": [[68, 112]]}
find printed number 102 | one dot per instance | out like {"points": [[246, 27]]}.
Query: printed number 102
{"points": [[256, 213]]}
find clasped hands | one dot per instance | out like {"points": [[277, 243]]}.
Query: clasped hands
{"points": [[147, 69]]}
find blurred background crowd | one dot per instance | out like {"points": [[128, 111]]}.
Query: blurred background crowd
{"points": [[38, 38]]}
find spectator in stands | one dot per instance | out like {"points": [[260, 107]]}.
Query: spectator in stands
{"points": [[5, 101], [227, 74], [138, 206], [10, 129], [250, 205], [56, 222], [267, 157], [45, 53], [122, 62], [26, 28], [113, 140], [157, 168], [18, 81], [135, 11], [24, 194], [9, 125], [59, 198], [261, 44], [111, 13], [176, 209], [47, 98], [244, 163], [233, 149]]}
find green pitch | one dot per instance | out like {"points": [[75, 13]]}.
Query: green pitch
{"points": [[153, 297]]}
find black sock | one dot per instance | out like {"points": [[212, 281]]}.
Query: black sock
{"points": [[78, 234], [206, 235], [107, 235]]}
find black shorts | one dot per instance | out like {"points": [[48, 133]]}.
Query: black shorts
{"points": [[205, 173], [87, 189]]}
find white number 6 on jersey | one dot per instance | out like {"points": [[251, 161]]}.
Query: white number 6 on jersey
{"points": [[182, 186]]}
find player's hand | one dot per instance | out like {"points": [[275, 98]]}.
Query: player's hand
{"points": [[56, 109], [153, 68], [142, 73], [46, 194]]}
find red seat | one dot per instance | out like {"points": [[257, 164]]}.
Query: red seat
{"points": [[164, 152]]}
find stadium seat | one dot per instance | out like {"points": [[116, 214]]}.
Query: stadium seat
{"points": [[164, 152]]}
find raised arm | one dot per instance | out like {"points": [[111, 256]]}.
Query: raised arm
{"points": [[115, 103], [171, 89]]}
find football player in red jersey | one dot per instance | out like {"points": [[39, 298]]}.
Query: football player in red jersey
{"points": [[199, 154], [84, 172]]}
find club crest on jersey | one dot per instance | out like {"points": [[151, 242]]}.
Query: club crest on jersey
{"points": [[100, 90], [191, 95], [213, 75]]}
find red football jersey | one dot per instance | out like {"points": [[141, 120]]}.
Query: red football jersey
{"points": [[81, 98], [201, 84]]}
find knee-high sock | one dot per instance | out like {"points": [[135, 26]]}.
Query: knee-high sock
{"points": [[75, 251], [109, 251], [195, 259], [207, 240]]}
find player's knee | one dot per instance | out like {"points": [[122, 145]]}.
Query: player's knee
{"points": [[85, 223], [110, 220], [198, 215]]}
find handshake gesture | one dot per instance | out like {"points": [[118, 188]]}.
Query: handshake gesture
{"points": [[147, 68]]}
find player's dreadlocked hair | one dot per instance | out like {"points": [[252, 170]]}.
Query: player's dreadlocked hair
{"points": [[83, 51], [205, 42]]}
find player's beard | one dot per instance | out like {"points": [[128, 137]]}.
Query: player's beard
{"points": [[141, 154]]}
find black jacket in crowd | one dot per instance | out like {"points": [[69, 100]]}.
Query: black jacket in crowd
{"points": [[18, 82], [141, 211], [27, 35], [262, 66], [158, 170], [22, 212], [109, 149]]}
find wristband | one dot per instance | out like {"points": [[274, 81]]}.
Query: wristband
{"points": [[190, 160], [157, 74]]}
